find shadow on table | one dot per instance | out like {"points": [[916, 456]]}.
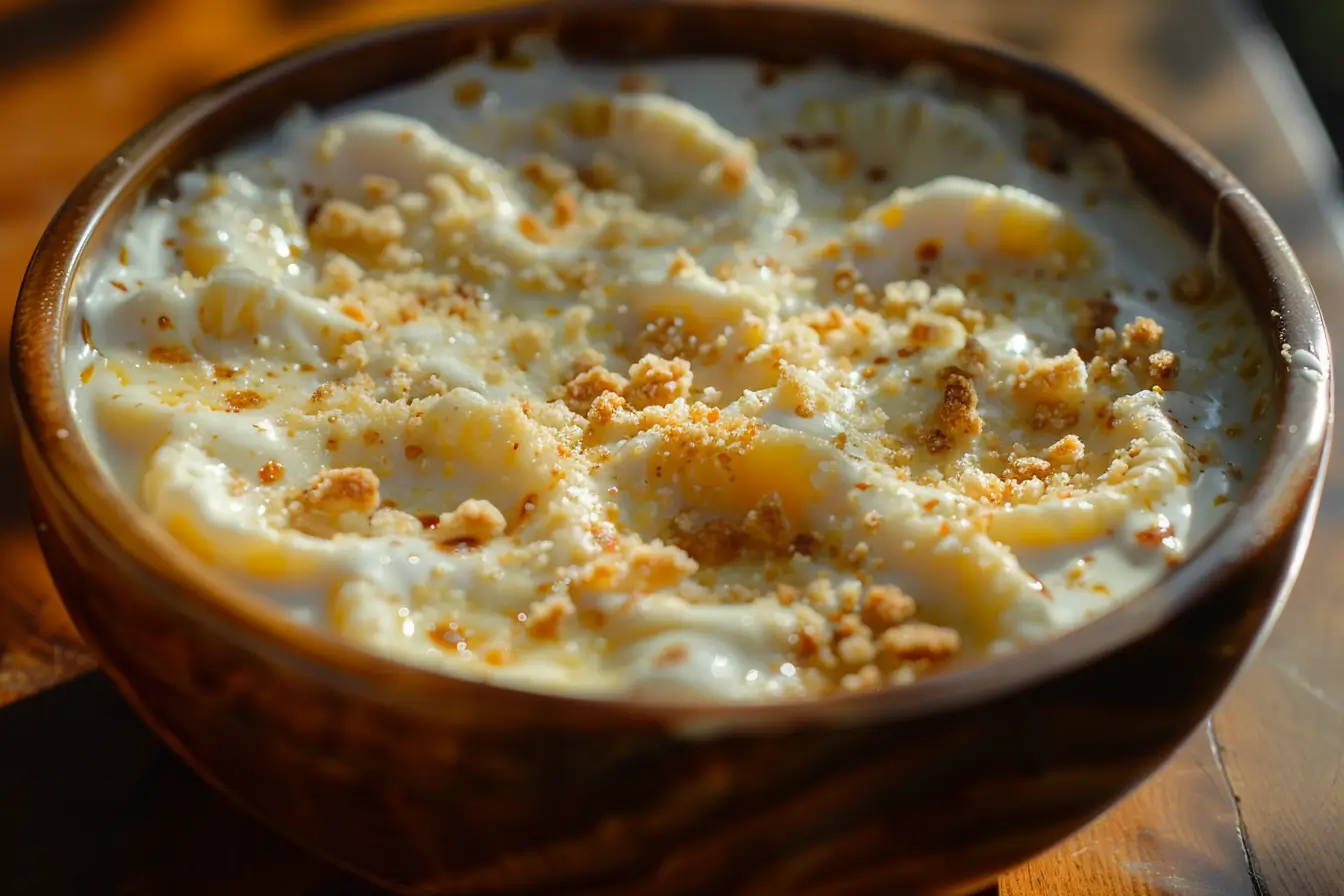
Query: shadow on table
{"points": [[94, 803]]}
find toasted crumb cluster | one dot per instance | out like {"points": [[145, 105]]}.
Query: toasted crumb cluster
{"points": [[333, 500], [658, 381], [869, 638], [473, 521]]}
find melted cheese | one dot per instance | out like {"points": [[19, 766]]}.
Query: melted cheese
{"points": [[734, 391]]}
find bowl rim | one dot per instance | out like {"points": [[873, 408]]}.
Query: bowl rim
{"points": [[1280, 491]]}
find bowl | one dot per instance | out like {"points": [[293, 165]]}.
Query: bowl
{"points": [[431, 784]]}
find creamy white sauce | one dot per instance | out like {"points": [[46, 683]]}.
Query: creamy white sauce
{"points": [[210, 331]]}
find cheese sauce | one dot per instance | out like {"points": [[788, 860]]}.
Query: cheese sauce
{"points": [[699, 380]]}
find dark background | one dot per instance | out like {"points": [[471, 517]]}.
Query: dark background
{"points": [[1313, 31]]}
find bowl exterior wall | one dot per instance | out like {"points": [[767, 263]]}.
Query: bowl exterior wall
{"points": [[429, 801]]}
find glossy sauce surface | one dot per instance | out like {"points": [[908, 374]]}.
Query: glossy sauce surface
{"points": [[698, 380]]}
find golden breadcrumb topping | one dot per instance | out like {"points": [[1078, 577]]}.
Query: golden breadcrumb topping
{"points": [[599, 393]]}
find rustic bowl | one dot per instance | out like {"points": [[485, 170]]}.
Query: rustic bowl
{"points": [[431, 784]]}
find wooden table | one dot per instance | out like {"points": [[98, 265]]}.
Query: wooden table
{"points": [[91, 802]]}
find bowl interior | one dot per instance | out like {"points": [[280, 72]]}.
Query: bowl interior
{"points": [[1196, 190]]}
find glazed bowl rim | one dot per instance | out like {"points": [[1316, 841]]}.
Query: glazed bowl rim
{"points": [[1280, 488]]}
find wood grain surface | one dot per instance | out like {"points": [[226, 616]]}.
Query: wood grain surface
{"points": [[1253, 803]]}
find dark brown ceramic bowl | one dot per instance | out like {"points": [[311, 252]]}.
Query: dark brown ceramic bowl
{"points": [[436, 785]]}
